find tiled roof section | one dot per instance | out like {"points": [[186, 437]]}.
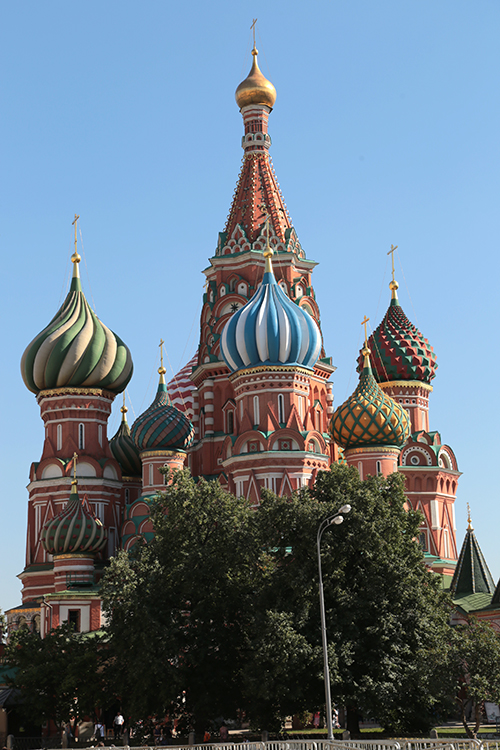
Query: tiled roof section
{"points": [[181, 387], [258, 194], [472, 575], [398, 349], [370, 417]]}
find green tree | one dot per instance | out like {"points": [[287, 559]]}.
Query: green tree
{"points": [[60, 677], [221, 611], [388, 618], [180, 606], [475, 669]]}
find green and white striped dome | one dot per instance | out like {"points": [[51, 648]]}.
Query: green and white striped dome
{"points": [[76, 349]]}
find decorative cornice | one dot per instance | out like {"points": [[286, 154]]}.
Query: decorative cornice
{"points": [[76, 392], [388, 449], [170, 454], [269, 368], [414, 384]]}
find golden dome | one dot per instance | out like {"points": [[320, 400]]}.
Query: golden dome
{"points": [[255, 89]]}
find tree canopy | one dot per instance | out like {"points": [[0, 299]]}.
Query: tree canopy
{"points": [[220, 612]]}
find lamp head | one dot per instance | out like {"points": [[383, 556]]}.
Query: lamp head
{"points": [[337, 520], [345, 509]]}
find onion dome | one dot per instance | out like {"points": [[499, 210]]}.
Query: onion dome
{"points": [[162, 426], [399, 351], [370, 417], [74, 530], [76, 349], [124, 449], [255, 89], [270, 329]]}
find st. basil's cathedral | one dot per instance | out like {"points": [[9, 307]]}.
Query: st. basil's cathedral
{"points": [[253, 409]]}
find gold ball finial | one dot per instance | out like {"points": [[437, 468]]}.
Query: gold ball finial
{"points": [[124, 409], [393, 286], [366, 351], [161, 371], [75, 258]]}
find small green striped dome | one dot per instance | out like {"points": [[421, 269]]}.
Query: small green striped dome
{"points": [[162, 426], [73, 530], [370, 417], [124, 449], [77, 350]]}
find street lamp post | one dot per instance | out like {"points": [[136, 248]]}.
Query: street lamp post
{"points": [[335, 519]]}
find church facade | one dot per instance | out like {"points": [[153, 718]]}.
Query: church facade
{"points": [[253, 409]]}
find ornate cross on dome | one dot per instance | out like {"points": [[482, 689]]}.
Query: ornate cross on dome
{"points": [[363, 323], [253, 29], [469, 519], [161, 368], [76, 257], [391, 253]]}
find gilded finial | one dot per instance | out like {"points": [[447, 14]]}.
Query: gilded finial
{"points": [[124, 409], [393, 284], [74, 481], [366, 351], [161, 369], [268, 252], [75, 258], [469, 520]]}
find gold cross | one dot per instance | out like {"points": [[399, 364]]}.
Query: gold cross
{"points": [[75, 456], [253, 29], [75, 223], [363, 323], [161, 352], [391, 253], [469, 519]]}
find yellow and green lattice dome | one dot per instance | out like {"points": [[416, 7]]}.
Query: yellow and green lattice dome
{"points": [[370, 417]]}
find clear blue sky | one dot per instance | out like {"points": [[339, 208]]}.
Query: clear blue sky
{"points": [[385, 130]]}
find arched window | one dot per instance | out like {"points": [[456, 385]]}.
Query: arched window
{"points": [[281, 408], [59, 437], [230, 422], [256, 411], [150, 475], [81, 437], [379, 468]]}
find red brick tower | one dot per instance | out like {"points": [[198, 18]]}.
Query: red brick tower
{"points": [[75, 366], [224, 408], [404, 364]]}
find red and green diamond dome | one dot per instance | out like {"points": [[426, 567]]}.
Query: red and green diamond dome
{"points": [[398, 349]]}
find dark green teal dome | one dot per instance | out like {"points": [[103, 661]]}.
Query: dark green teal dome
{"points": [[162, 426], [124, 449]]}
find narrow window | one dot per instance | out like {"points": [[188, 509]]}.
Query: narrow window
{"points": [[74, 619], [256, 411], [230, 422], [241, 410], [301, 407], [281, 408], [81, 437], [59, 437], [127, 495], [150, 475], [379, 468], [99, 434]]}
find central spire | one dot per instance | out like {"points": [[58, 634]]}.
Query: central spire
{"points": [[257, 194]]}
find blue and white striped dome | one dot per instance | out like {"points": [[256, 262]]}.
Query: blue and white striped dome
{"points": [[270, 330]]}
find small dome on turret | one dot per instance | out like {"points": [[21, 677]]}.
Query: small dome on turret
{"points": [[76, 349], [124, 449], [74, 530], [255, 89], [370, 417], [270, 329], [162, 426]]}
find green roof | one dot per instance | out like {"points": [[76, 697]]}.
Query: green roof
{"points": [[472, 575]]}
